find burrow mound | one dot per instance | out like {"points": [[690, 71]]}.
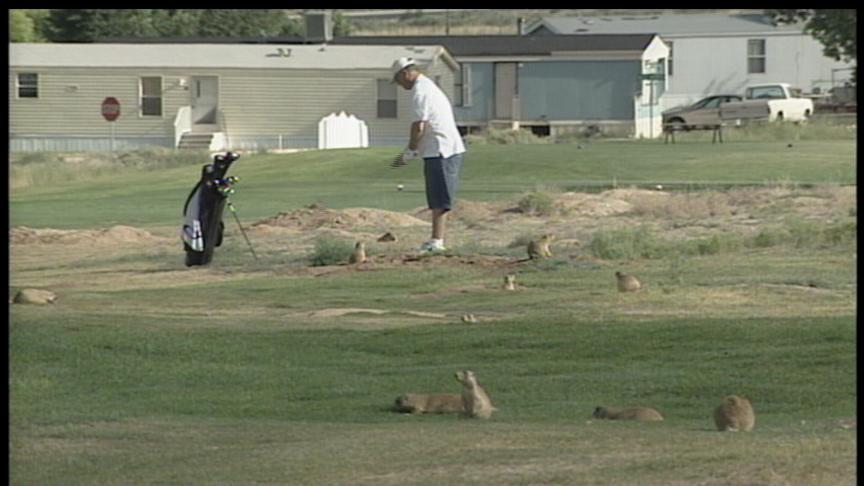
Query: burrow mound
{"points": [[113, 235], [318, 217]]}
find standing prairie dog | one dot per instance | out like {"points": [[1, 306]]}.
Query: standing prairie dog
{"points": [[510, 282], [734, 414], [359, 255], [539, 248], [642, 414], [476, 400], [628, 283]]}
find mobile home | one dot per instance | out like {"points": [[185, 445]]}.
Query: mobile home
{"points": [[238, 96]]}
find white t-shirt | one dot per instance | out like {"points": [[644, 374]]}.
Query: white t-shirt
{"points": [[441, 137]]}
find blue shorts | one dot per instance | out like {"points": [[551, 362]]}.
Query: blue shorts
{"points": [[442, 180]]}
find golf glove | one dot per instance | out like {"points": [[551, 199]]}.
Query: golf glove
{"points": [[402, 159]]}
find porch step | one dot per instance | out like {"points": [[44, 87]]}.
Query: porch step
{"points": [[205, 127], [197, 141]]}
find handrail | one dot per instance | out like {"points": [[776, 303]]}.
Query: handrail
{"points": [[223, 125], [182, 123]]}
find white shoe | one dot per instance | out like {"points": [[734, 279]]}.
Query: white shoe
{"points": [[432, 245]]}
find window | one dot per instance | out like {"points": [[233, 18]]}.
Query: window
{"points": [[151, 96], [28, 85], [765, 92], [755, 56], [462, 86], [386, 99], [669, 59]]}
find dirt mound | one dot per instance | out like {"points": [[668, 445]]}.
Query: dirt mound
{"points": [[112, 235], [316, 217], [584, 204]]}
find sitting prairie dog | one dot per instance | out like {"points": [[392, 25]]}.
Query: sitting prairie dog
{"points": [[34, 296], [627, 283], [734, 414], [359, 255], [510, 282], [418, 403], [539, 248], [642, 414], [476, 400]]}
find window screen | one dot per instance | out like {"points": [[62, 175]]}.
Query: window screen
{"points": [[386, 99]]}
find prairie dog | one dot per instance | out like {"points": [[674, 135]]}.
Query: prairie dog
{"points": [[627, 283], [469, 319], [643, 414], [510, 282], [387, 237], [359, 255], [418, 403], [474, 397], [34, 296], [539, 248], [734, 414]]}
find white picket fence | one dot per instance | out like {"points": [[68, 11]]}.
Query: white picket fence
{"points": [[342, 131]]}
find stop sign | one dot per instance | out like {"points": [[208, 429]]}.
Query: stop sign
{"points": [[110, 108]]}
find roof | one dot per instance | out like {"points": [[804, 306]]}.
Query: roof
{"points": [[218, 55], [497, 45], [702, 25], [456, 45]]}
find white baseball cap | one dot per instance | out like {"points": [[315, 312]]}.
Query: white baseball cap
{"points": [[400, 64]]}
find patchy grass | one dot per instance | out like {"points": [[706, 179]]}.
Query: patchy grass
{"points": [[273, 371]]}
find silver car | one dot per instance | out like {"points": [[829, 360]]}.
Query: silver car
{"points": [[704, 112]]}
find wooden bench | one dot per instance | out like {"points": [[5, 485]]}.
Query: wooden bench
{"points": [[669, 130]]}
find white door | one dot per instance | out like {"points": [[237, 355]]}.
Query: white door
{"points": [[205, 99], [505, 89]]}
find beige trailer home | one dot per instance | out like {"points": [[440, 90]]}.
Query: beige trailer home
{"points": [[219, 96]]}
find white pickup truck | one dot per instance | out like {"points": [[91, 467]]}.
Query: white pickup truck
{"points": [[778, 101]]}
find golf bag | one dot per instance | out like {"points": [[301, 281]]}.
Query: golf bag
{"points": [[202, 224]]}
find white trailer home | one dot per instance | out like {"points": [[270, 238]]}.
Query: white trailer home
{"points": [[719, 53], [220, 96]]}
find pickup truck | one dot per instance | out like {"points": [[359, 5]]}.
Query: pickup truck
{"points": [[778, 101]]}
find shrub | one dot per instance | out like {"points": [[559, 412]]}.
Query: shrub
{"points": [[537, 203], [769, 237], [841, 233], [330, 250], [504, 137], [627, 244]]}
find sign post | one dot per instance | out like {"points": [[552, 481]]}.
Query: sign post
{"points": [[651, 78], [111, 111]]}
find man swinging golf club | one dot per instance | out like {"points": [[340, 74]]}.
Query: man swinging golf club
{"points": [[435, 138]]}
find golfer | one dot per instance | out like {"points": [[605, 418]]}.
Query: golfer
{"points": [[434, 137]]}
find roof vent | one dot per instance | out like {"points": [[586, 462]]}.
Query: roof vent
{"points": [[319, 27]]}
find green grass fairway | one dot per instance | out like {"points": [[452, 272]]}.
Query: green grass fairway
{"points": [[362, 178], [274, 371]]}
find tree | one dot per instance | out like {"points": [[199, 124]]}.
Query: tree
{"points": [[341, 24], [836, 29], [21, 27], [27, 25], [85, 25], [217, 22]]}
